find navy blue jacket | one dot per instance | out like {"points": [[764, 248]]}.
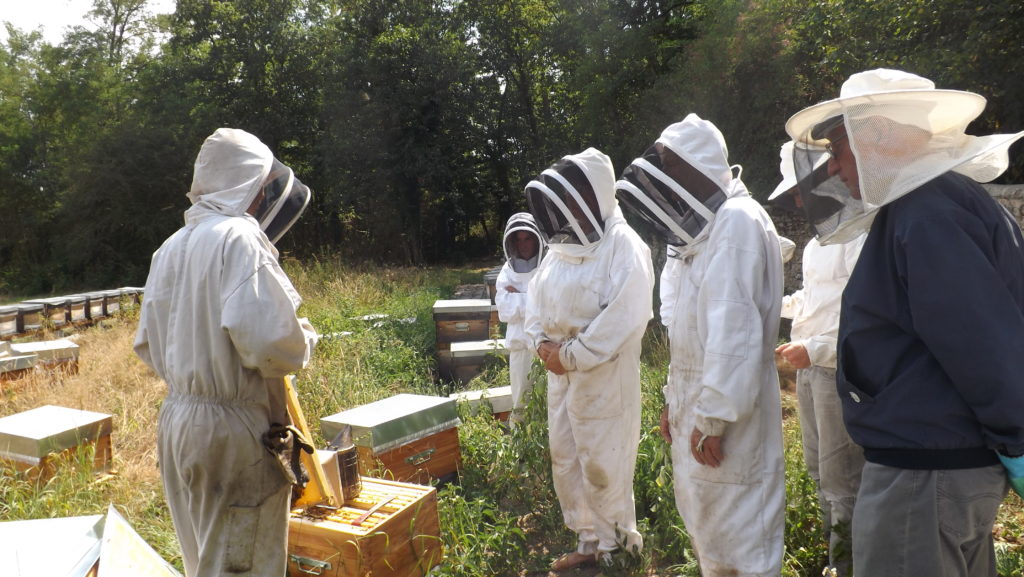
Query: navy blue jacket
{"points": [[931, 332]]}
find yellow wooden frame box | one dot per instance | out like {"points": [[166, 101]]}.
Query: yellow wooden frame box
{"points": [[401, 538]]}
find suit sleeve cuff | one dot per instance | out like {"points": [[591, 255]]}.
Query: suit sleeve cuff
{"points": [[710, 426], [566, 357]]}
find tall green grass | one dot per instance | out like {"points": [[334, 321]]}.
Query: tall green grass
{"points": [[501, 519]]}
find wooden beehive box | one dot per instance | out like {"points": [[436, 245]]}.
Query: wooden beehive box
{"points": [[8, 321], [94, 307], [465, 360], [77, 311], [401, 539], [461, 320], [55, 353], [30, 317], [14, 365], [412, 438], [111, 302], [55, 309], [37, 439], [496, 400]]}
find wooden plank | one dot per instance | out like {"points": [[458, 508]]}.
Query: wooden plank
{"points": [[318, 491]]}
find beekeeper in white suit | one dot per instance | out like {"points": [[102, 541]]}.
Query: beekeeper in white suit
{"points": [[833, 460], [587, 310], [219, 326], [524, 249], [721, 292]]}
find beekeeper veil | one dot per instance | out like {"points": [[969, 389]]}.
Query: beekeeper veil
{"points": [[680, 182], [572, 200], [284, 200], [235, 172], [823, 199], [522, 222], [901, 132]]}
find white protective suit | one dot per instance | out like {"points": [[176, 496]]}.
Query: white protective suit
{"points": [[815, 307], [512, 305], [595, 300], [721, 298], [218, 323]]}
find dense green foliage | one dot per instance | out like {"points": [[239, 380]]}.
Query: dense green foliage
{"points": [[417, 122]]}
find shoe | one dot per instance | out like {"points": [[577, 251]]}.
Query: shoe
{"points": [[571, 561]]}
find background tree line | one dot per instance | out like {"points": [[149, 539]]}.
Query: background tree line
{"points": [[418, 122]]}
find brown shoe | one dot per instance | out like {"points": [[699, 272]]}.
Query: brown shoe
{"points": [[571, 561]]}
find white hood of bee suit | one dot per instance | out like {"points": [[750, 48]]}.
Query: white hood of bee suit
{"points": [[564, 215], [598, 169], [517, 222], [701, 144], [230, 169]]}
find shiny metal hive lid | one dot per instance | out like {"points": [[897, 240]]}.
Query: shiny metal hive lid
{"points": [[462, 306], [478, 348], [394, 421], [12, 361], [55, 350], [33, 434], [500, 398]]}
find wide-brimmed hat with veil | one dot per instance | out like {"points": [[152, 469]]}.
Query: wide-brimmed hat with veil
{"points": [[903, 132]]}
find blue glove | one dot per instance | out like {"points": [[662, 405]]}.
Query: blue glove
{"points": [[1015, 471]]}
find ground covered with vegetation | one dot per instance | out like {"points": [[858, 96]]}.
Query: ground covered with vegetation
{"points": [[501, 519]]}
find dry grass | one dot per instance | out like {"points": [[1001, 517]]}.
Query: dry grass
{"points": [[110, 380]]}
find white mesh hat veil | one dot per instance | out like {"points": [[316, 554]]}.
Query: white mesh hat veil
{"points": [[903, 132]]}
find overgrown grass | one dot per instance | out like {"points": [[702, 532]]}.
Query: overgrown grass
{"points": [[501, 519]]}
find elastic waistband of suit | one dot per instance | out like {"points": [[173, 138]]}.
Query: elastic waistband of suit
{"points": [[204, 400], [932, 459]]}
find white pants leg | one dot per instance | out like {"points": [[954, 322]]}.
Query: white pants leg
{"points": [[593, 461], [833, 459], [227, 497], [519, 363]]}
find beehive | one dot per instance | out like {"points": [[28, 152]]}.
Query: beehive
{"points": [[401, 539], [461, 320], [35, 440], [465, 360], [8, 321], [30, 317], [58, 352], [95, 308], [77, 308], [407, 437], [497, 400]]}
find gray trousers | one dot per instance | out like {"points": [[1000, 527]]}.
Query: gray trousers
{"points": [[910, 523], [833, 460]]}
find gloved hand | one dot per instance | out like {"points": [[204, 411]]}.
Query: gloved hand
{"points": [[284, 442], [1015, 471]]}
